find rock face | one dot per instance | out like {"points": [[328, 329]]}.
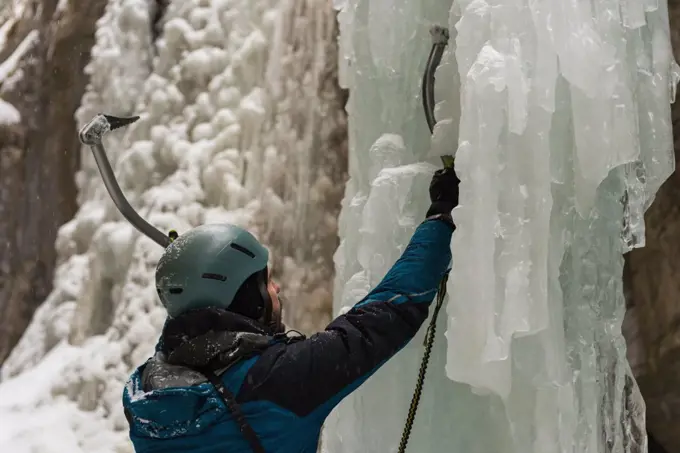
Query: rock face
{"points": [[45, 51], [652, 277], [652, 324]]}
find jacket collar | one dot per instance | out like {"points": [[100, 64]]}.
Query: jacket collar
{"points": [[211, 337]]}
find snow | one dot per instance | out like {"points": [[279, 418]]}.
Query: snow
{"points": [[62, 5], [556, 112], [4, 30], [216, 142], [9, 66], [34, 403], [8, 113]]}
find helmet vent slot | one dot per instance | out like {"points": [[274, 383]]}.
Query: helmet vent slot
{"points": [[215, 277], [175, 290], [242, 249]]}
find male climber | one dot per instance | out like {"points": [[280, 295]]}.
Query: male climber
{"points": [[225, 376]]}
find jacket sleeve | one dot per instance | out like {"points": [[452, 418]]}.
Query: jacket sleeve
{"points": [[314, 375]]}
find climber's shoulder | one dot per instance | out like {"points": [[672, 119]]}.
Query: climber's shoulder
{"points": [[183, 412]]}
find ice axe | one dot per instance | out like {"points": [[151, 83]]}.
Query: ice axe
{"points": [[440, 38], [92, 134]]}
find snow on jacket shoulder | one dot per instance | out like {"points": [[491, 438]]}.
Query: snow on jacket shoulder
{"points": [[287, 390]]}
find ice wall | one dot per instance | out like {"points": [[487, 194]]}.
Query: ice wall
{"points": [[241, 121], [559, 115]]}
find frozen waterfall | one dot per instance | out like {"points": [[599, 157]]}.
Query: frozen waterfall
{"points": [[559, 116]]}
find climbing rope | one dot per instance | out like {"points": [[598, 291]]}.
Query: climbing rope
{"points": [[429, 342], [440, 37]]}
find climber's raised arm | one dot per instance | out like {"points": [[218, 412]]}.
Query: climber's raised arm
{"points": [[310, 377]]}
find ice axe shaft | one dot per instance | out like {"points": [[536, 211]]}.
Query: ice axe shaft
{"points": [[91, 134], [440, 38]]}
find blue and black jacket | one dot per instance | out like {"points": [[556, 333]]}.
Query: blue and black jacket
{"points": [[285, 388]]}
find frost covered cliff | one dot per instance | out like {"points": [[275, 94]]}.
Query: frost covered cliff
{"points": [[241, 121]]}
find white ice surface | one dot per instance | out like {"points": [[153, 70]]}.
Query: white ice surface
{"points": [[556, 112]]}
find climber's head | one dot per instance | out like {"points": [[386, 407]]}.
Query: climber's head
{"points": [[219, 266]]}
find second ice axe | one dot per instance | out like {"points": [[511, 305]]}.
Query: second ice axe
{"points": [[92, 134]]}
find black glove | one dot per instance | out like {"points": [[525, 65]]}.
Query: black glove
{"points": [[443, 192]]}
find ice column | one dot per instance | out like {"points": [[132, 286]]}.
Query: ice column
{"points": [[559, 115]]}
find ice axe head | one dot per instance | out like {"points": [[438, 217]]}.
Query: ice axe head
{"points": [[92, 132]]}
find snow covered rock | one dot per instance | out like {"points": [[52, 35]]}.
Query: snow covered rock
{"points": [[42, 55]]}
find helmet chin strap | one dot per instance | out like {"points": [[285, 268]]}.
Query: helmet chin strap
{"points": [[275, 325], [270, 319]]}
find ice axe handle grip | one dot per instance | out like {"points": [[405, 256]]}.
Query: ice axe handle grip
{"points": [[121, 202]]}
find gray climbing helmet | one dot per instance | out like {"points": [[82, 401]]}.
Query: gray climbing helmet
{"points": [[206, 266]]}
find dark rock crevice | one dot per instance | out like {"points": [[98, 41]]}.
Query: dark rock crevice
{"points": [[161, 7]]}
